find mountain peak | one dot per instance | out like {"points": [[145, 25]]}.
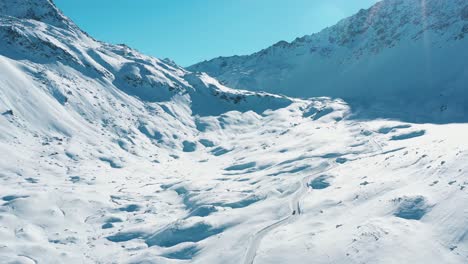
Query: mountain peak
{"points": [[40, 10]]}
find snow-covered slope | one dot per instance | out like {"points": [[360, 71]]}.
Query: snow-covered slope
{"points": [[410, 55], [111, 156], [75, 74]]}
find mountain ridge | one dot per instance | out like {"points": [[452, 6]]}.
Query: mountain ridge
{"points": [[361, 59], [39, 10]]}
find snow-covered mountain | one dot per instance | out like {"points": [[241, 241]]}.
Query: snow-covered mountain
{"points": [[111, 156], [410, 55], [49, 59]]}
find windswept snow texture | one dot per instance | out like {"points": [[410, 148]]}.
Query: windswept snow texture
{"points": [[400, 58], [111, 156]]}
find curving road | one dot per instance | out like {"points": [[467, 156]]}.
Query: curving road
{"points": [[295, 207]]}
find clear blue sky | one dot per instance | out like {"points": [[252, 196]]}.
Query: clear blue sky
{"points": [[189, 31]]}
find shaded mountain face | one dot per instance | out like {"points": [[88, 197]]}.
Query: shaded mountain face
{"points": [[400, 55]]}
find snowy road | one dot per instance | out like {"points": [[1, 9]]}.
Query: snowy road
{"points": [[295, 207]]}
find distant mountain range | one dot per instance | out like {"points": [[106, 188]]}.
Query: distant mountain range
{"points": [[404, 54]]}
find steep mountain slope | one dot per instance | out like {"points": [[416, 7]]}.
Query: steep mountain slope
{"points": [[409, 55], [71, 71], [111, 156]]}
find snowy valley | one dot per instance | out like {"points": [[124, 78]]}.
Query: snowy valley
{"points": [[112, 156]]}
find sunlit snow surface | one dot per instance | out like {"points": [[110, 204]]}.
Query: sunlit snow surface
{"points": [[110, 156], [94, 196]]}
